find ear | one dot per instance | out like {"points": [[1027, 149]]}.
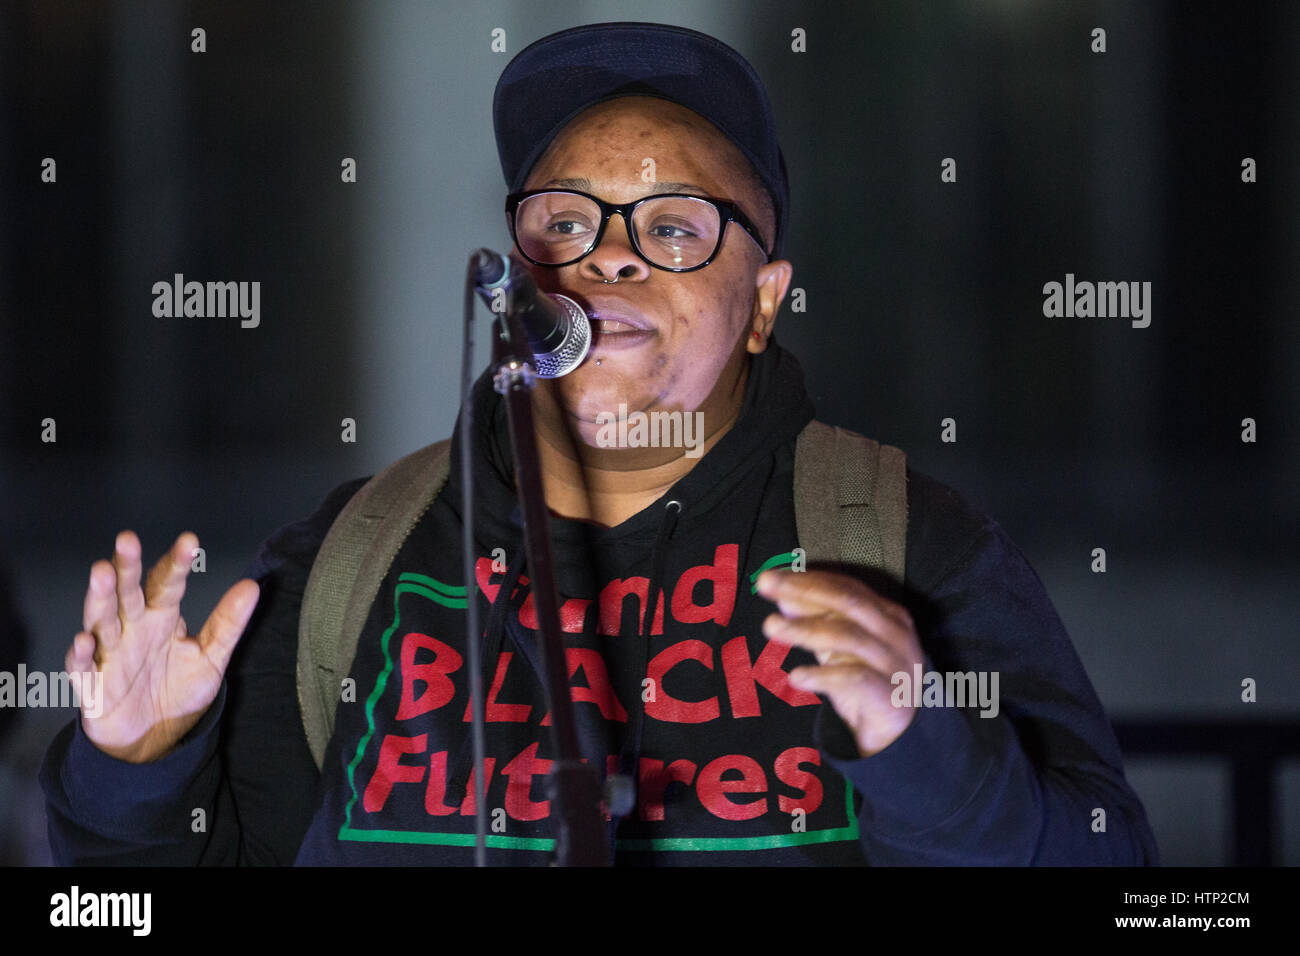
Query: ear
{"points": [[770, 286]]}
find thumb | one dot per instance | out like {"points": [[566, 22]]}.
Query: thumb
{"points": [[225, 625]]}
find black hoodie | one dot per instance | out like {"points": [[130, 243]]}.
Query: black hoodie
{"points": [[683, 694]]}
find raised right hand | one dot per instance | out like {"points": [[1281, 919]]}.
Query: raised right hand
{"points": [[158, 680]]}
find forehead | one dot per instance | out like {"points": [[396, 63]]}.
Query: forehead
{"points": [[611, 141]]}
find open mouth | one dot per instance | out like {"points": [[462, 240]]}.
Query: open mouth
{"points": [[617, 331]]}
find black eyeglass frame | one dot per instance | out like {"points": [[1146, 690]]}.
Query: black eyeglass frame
{"points": [[727, 212]]}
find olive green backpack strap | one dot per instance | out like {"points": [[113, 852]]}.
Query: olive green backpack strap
{"points": [[352, 562], [850, 500]]}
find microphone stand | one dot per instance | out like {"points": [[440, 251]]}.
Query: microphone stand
{"points": [[572, 786]]}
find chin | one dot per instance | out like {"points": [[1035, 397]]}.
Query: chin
{"points": [[589, 391]]}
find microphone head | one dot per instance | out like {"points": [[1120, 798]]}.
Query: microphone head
{"points": [[490, 268], [569, 354]]}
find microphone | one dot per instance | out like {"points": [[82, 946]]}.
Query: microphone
{"points": [[558, 331]]}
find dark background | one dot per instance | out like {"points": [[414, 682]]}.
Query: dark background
{"points": [[924, 302]]}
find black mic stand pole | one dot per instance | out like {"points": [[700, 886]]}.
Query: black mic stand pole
{"points": [[573, 787]]}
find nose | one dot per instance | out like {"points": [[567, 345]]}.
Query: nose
{"points": [[614, 258]]}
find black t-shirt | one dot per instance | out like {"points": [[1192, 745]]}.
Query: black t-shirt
{"points": [[732, 764]]}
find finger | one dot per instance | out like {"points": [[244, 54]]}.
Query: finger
{"points": [[841, 681], [166, 583], [80, 658], [126, 561], [829, 634], [226, 623], [99, 613], [822, 590], [805, 592]]}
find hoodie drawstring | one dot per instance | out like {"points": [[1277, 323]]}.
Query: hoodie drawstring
{"points": [[630, 753]]}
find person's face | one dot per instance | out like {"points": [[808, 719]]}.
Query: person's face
{"points": [[662, 341]]}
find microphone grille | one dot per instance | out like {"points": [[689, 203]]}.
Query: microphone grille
{"points": [[574, 348]]}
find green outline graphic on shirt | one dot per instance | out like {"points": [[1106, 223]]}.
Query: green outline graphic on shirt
{"points": [[776, 561], [454, 597]]}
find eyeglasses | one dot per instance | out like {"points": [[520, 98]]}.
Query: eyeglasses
{"points": [[672, 231]]}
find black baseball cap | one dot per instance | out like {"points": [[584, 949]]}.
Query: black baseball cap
{"points": [[551, 81]]}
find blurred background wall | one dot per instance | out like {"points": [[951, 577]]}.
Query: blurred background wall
{"points": [[924, 301]]}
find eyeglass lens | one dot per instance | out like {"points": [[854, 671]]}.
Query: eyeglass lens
{"points": [[675, 232]]}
